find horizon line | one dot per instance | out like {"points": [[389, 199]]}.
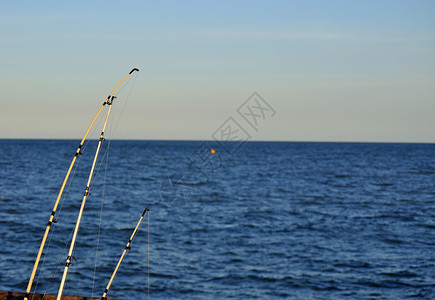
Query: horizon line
{"points": [[211, 140]]}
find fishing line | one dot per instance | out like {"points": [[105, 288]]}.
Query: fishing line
{"points": [[112, 128], [101, 159], [96, 132], [53, 229], [125, 101], [57, 264], [101, 216], [65, 196], [124, 85], [111, 132]]}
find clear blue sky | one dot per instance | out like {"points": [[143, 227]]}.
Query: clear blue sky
{"points": [[332, 70]]}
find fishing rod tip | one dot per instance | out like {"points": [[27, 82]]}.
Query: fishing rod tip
{"points": [[146, 209], [135, 69]]}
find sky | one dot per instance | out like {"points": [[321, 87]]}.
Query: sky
{"points": [[353, 71]]}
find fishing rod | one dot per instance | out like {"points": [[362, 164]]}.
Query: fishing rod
{"points": [[122, 256], [70, 256], [52, 218]]}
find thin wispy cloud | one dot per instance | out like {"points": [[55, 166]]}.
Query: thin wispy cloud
{"points": [[269, 35], [313, 35]]}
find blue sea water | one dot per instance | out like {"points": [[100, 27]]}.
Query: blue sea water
{"points": [[269, 220]]}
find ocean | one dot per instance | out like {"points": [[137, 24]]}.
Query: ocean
{"points": [[255, 220]]}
